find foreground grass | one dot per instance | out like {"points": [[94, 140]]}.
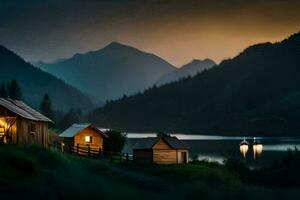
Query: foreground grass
{"points": [[38, 173]]}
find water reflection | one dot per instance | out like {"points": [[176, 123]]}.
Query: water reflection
{"points": [[218, 148]]}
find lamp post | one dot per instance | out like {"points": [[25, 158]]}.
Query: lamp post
{"points": [[244, 147], [257, 148]]}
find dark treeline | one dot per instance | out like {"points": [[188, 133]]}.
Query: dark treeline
{"points": [[11, 89], [62, 119], [257, 92]]}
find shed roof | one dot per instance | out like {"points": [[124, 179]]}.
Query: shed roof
{"points": [[23, 110], [76, 128], [148, 143]]}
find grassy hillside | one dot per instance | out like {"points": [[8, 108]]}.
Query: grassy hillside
{"points": [[38, 173]]}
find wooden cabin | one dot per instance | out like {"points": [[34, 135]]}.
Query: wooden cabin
{"points": [[167, 150], [84, 135], [21, 124]]}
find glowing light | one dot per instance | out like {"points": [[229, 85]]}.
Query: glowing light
{"points": [[2, 124], [244, 149], [257, 149], [87, 138]]}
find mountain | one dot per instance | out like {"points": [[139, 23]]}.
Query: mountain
{"points": [[256, 93], [35, 83], [190, 69], [111, 72]]}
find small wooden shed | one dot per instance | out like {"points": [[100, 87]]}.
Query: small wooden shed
{"points": [[84, 135], [166, 150], [21, 124]]}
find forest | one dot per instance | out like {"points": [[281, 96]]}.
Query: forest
{"points": [[255, 93]]}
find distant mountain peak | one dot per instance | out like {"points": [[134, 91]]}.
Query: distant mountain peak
{"points": [[190, 69], [112, 71], [115, 44], [195, 61], [118, 45]]}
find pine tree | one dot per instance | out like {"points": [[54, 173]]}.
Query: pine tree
{"points": [[46, 107], [14, 90], [3, 90]]}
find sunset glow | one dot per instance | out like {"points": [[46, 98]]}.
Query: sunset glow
{"points": [[177, 31]]}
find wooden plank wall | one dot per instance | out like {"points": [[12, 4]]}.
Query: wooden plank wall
{"points": [[25, 137], [161, 144], [164, 156], [180, 160], [163, 153]]}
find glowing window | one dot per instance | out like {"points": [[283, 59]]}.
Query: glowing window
{"points": [[88, 139]]}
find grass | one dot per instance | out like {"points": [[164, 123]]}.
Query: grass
{"points": [[38, 173]]}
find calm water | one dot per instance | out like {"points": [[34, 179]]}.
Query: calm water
{"points": [[217, 148]]}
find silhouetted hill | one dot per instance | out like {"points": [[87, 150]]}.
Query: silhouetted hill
{"points": [[190, 69], [257, 92], [35, 83], [111, 72]]}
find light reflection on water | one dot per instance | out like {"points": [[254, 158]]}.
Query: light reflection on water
{"points": [[217, 148]]}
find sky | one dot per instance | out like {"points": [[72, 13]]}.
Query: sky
{"points": [[176, 30]]}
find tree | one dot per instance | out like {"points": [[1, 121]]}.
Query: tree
{"points": [[46, 107], [73, 116], [115, 141], [163, 135], [3, 90], [14, 90]]}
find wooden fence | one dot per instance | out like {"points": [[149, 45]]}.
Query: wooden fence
{"points": [[87, 151]]}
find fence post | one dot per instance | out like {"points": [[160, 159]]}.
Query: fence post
{"points": [[89, 150], [127, 158], [111, 157], [77, 148], [62, 147], [100, 152], [121, 157]]}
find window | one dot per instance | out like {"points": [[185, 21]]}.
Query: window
{"points": [[88, 139], [32, 128], [2, 128]]}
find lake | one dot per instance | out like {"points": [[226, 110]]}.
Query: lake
{"points": [[217, 148]]}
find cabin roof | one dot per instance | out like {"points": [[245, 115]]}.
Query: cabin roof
{"points": [[148, 143], [76, 128], [23, 110]]}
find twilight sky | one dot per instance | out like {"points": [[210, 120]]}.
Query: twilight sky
{"points": [[176, 30]]}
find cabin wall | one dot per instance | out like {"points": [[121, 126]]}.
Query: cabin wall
{"points": [[161, 156], [97, 139], [142, 156], [13, 132], [161, 144], [183, 156], [163, 153], [25, 136]]}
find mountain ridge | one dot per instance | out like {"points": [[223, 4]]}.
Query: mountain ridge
{"points": [[35, 83], [116, 70], [255, 93], [190, 69]]}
